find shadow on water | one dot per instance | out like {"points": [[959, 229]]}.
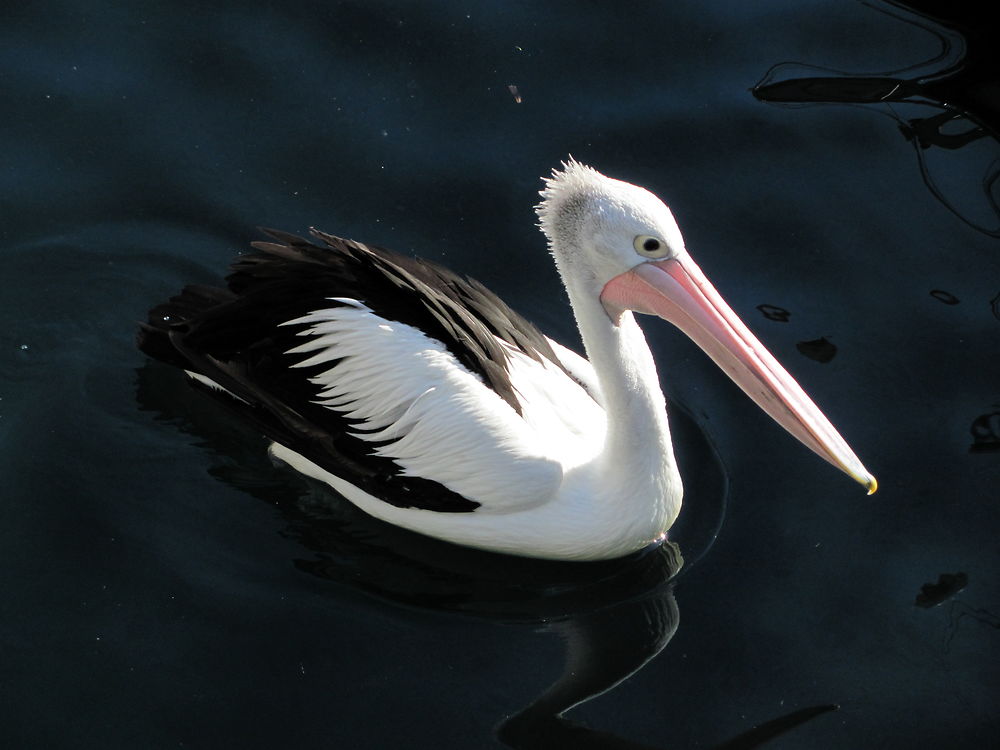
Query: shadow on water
{"points": [[958, 86], [612, 616], [985, 431]]}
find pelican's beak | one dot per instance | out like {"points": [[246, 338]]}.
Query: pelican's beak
{"points": [[676, 290]]}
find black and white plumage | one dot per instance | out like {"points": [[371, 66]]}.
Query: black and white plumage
{"points": [[426, 401]]}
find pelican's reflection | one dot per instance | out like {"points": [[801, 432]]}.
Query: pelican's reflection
{"points": [[613, 616]]}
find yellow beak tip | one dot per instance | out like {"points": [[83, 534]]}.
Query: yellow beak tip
{"points": [[872, 484]]}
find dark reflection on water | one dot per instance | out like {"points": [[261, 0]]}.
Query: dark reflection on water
{"points": [[955, 84], [613, 616], [947, 585], [986, 433], [942, 296], [820, 350], [775, 313], [946, 589]]}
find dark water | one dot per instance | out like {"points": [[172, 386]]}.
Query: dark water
{"points": [[164, 586]]}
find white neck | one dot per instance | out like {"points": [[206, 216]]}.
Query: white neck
{"points": [[637, 463]]}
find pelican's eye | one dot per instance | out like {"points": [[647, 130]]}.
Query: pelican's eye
{"points": [[650, 246]]}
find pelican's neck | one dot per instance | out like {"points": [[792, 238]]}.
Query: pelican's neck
{"points": [[637, 459]]}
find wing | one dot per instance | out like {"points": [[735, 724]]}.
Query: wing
{"points": [[579, 369], [400, 377]]}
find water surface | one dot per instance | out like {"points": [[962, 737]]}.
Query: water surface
{"points": [[832, 167]]}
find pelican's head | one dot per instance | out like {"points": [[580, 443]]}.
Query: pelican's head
{"points": [[620, 243], [599, 227]]}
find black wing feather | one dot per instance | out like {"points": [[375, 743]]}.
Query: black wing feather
{"points": [[234, 337]]}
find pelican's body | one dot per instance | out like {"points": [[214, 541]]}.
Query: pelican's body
{"points": [[425, 401]]}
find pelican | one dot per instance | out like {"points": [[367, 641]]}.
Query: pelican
{"points": [[422, 398]]}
